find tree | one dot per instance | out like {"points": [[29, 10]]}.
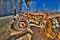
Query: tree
{"points": [[27, 3]]}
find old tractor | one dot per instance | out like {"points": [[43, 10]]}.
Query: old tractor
{"points": [[23, 22]]}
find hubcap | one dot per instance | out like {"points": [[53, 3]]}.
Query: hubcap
{"points": [[22, 24]]}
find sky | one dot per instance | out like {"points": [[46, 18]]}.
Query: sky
{"points": [[38, 5], [7, 7]]}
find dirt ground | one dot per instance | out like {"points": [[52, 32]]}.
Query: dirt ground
{"points": [[37, 35]]}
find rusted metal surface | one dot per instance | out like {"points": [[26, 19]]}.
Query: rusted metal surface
{"points": [[41, 28], [39, 33]]}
